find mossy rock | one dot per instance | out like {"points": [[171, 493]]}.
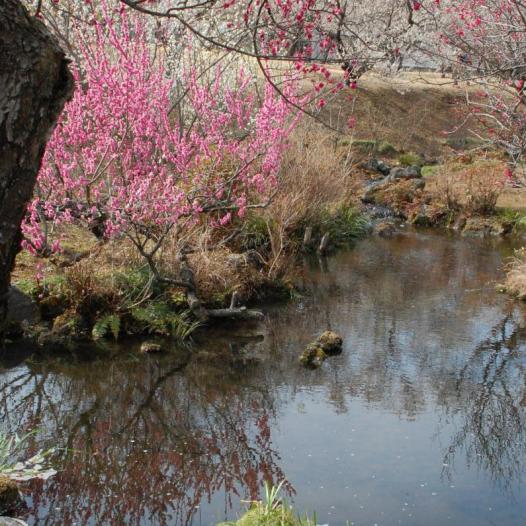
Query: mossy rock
{"points": [[385, 229], [151, 347], [330, 342], [9, 495], [313, 356]]}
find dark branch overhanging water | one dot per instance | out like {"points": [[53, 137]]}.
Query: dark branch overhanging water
{"points": [[421, 420]]}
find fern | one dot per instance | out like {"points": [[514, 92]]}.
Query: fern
{"points": [[160, 318], [109, 324]]}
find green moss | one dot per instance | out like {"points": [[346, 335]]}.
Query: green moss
{"points": [[9, 495], [313, 356]]}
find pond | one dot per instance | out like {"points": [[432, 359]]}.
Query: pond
{"points": [[421, 419]]}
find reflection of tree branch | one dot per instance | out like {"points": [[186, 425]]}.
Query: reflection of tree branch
{"points": [[492, 433]]}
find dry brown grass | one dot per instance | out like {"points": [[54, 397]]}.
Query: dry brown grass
{"points": [[421, 113], [315, 179], [473, 188], [515, 283]]}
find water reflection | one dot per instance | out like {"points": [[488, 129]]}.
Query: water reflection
{"points": [[141, 442], [489, 403], [430, 390]]}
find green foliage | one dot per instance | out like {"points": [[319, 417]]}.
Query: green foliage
{"points": [[254, 232], [410, 159], [11, 450], [464, 143], [133, 284], [159, 317], [516, 217], [108, 324]]}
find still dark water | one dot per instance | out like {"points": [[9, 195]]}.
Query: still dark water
{"points": [[421, 420]]}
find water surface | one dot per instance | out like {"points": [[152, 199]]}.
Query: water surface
{"points": [[421, 420]]}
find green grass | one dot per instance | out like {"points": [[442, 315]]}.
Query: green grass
{"points": [[428, 170], [258, 516]]}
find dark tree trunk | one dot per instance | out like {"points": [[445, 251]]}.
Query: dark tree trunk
{"points": [[35, 83]]}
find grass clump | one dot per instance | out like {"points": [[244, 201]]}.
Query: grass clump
{"points": [[386, 148], [410, 159], [271, 512], [258, 516], [345, 224], [430, 170], [364, 145]]}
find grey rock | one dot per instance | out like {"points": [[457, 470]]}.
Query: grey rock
{"points": [[368, 197], [21, 308], [405, 172], [375, 165], [419, 184]]}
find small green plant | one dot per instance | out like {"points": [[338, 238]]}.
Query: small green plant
{"points": [[517, 218], [272, 501], [12, 449]]}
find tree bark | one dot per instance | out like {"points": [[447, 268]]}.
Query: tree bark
{"points": [[35, 83]]}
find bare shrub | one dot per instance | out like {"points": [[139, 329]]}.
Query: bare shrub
{"points": [[474, 188]]}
